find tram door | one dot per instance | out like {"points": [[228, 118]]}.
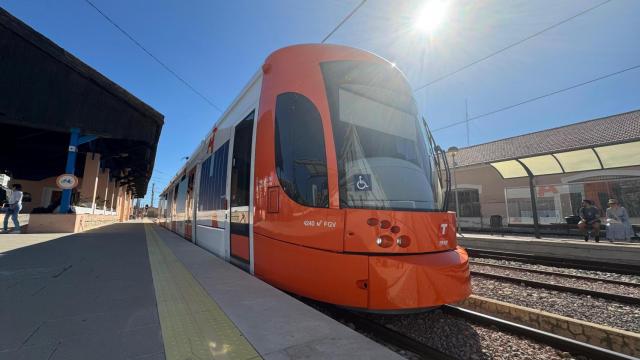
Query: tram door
{"points": [[188, 224], [240, 192]]}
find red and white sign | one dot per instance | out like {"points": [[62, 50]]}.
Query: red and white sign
{"points": [[67, 181], [544, 189]]}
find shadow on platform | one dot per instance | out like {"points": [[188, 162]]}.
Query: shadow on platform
{"points": [[80, 296]]}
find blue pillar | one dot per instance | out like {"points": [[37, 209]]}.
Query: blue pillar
{"points": [[70, 168]]}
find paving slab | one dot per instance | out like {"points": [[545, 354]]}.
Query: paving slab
{"points": [[277, 325], [106, 293], [15, 241]]}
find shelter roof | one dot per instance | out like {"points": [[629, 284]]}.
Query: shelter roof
{"points": [[594, 144], [45, 91], [608, 130]]}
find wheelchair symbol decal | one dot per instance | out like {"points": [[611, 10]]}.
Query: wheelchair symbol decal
{"points": [[362, 182]]}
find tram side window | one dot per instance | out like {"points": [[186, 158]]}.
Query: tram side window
{"points": [[181, 199], [170, 202], [175, 199], [213, 180], [301, 162]]}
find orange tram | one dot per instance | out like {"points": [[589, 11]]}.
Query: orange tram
{"points": [[321, 180]]}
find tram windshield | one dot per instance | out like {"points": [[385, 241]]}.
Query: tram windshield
{"points": [[384, 161]]}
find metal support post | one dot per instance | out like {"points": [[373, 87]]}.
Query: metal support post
{"points": [[65, 202], [455, 186], [534, 205], [153, 193]]}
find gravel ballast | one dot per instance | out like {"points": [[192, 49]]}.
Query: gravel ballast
{"points": [[570, 271], [581, 307], [461, 339], [595, 285]]}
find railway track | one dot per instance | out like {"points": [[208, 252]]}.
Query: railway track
{"points": [[384, 334], [550, 286], [559, 342], [555, 273], [401, 341], [625, 269]]}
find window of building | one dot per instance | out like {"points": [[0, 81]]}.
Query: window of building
{"points": [[519, 207], [301, 162], [468, 201], [213, 180]]}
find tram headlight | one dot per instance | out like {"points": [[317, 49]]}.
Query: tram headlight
{"points": [[403, 241], [384, 241]]}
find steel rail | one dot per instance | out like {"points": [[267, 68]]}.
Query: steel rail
{"points": [[386, 335], [572, 346], [554, 273], [398, 340], [543, 285], [591, 265]]}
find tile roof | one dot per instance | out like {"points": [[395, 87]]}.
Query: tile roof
{"points": [[608, 130]]}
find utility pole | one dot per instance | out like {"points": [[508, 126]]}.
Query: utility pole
{"points": [[153, 193]]}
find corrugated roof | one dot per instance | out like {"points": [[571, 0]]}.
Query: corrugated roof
{"points": [[608, 130]]}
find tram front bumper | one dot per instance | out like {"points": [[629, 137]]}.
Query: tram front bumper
{"points": [[418, 281]]}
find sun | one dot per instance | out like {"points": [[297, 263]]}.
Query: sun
{"points": [[431, 17]]}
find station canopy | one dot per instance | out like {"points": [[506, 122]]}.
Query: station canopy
{"points": [[46, 91], [604, 143], [597, 158]]}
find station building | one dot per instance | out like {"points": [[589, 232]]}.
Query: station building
{"points": [[60, 116], [597, 160]]}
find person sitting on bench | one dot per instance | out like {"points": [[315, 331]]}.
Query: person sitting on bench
{"points": [[618, 225], [589, 220]]}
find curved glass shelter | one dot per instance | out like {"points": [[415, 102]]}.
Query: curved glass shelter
{"points": [[594, 158]]}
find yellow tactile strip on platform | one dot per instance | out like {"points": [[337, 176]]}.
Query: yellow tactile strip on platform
{"points": [[193, 325]]}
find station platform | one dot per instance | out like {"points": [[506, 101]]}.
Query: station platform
{"points": [[570, 248], [138, 291]]}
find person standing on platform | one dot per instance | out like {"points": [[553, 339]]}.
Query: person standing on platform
{"points": [[589, 220], [14, 200], [618, 225]]}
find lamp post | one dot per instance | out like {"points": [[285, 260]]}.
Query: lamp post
{"points": [[453, 151]]}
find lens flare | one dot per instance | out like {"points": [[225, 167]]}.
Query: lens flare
{"points": [[431, 17]]}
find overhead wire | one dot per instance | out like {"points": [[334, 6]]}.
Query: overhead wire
{"points": [[536, 98], [343, 21], [165, 66], [440, 78]]}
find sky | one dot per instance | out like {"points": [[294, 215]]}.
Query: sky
{"points": [[216, 46]]}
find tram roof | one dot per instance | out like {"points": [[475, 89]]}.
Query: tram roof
{"points": [[45, 91]]}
